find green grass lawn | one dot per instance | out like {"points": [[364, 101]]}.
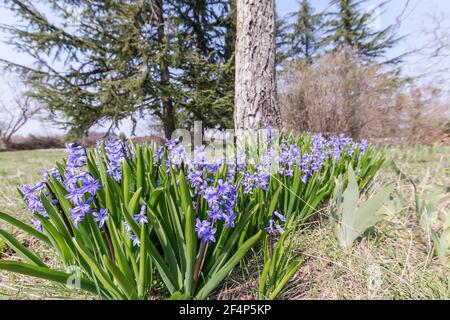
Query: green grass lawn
{"points": [[395, 261]]}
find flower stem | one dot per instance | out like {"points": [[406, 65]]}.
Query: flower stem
{"points": [[198, 264], [107, 232], [60, 209]]}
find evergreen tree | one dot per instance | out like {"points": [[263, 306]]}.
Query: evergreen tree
{"points": [[207, 33], [348, 26], [304, 35], [283, 43], [123, 59]]}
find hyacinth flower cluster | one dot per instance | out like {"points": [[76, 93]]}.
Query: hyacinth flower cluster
{"points": [[80, 185], [274, 225], [33, 202], [313, 160], [137, 211], [222, 199], [116, 152], [141, 219]]}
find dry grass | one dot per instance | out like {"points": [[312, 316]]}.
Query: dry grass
{"points": [[16, 168], [394, 261]]}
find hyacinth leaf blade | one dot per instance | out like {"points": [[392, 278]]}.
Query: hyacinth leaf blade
{"points": [[60, 192], [92, 164], [220, 252], [191, 245], [296, 193], [191, 238], [117, 242], [279, 267], [46, 273], [101, 275], [125, 284], [25, 227], [21, 249], [144, 265], [163, 268], [289, 273], [128, 182], [262, 288], [133, 203], [155, 196], [140, 170], [55, 217], [58, 240], [274, 200], [169, 252], [98, 239], [213, 280], [170, 216]]}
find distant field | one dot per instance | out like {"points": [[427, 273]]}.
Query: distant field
{"points": [[395, 262]]}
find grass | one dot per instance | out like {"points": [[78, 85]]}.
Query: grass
{"points": [[394, 261]]}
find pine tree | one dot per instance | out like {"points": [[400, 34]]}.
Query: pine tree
{"points": [[283, 42], [207, 32], [304, 35], [348, 26], [125, 59]]}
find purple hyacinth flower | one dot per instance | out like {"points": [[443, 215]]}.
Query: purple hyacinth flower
{"points": [[77, 218], [101, 217], [141, 217], [363, 146], [196, 178], [90, 185], [76, 156], [75, 196], [273, 228], [170, 144], [36, 224], [215, 213], [230, 220], [270, 229], [47, 173], [205, 231], [279, 216], [136, 241]]}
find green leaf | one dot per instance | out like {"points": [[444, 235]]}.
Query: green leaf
{"points": [[214, 280], [354, 221], [45, 273], [142, 263], [25, 227], [20, 249], [124, 283], [133, 204], [101, 275], [289, 273]]}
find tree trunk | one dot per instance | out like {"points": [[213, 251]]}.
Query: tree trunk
{"points": [[256, 104], [168, 116]]}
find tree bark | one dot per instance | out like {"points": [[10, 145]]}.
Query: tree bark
{"points": [[256, 104], [168, 116]]}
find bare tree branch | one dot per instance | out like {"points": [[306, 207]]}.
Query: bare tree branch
{"points": [[15, 113]]}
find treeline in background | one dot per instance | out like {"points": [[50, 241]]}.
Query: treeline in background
{"points": [[171, 62]]}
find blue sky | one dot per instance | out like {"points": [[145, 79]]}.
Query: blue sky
{"points": [[414, 20]]}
